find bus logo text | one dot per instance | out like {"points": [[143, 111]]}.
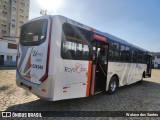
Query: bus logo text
{"points": [[78, 69], [36, 66], [36, 53]]}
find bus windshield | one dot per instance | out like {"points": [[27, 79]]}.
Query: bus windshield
{"points": [[34, 33]]}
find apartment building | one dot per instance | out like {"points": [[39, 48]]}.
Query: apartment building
{"points": [[13, 13]]}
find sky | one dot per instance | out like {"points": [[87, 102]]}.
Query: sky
{"points": [[136, 21]]}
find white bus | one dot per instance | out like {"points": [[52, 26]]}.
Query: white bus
{"points": [[59, 58]]}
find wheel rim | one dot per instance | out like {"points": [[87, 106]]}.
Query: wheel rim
{"points": [[113, 85]]}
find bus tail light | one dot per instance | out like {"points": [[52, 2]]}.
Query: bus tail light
{"points": [[66, 87], [43, 90], [48, 54]]}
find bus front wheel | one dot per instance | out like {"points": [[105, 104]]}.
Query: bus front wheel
{"points": [[113, 85]]}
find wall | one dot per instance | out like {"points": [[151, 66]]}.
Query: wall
{"points": [[156, 62], [8, 52]]}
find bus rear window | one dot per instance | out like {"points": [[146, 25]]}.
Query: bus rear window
{"points": [[34, 33]]}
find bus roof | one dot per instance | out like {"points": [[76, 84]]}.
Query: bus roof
{"points": [[99, 32], [120, 40]]}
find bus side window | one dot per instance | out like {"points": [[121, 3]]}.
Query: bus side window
{"points": [[127, 55], [116, 51], [110, 50], [85, 52], [75, 43], [139, 57], [134, 56], [122, 53], [79, 52], [144, 58]]}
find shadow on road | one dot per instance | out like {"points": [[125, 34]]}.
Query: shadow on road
{"points": [[3, 88], [91, 103]]}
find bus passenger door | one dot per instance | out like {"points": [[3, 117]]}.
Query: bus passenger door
{"points": [[99, 66]]}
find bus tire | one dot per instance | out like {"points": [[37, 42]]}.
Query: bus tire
{"points": [[113, 85], [144, 74]]}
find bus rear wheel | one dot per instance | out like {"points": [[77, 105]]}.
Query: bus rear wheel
{"points": [[113, 85]]}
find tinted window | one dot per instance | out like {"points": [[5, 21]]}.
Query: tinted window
{"points": [[110, 50], [122, 53], [34, 33], [139, 57], [144, 59], [75, 43], [116, 46], [134, 56], [127, 54], [158, 56], [116, 51]]}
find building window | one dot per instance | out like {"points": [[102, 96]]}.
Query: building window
{"points": [[13, 25], [4, 12], [21, 22], [6, 2], [23, 4], [4, 21], [14, 8], [22, 16], [13, 20], [14, 1], [3, 25], [22, 10], [9, 58], [12, 46], [3, 31], [5, 7]]}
